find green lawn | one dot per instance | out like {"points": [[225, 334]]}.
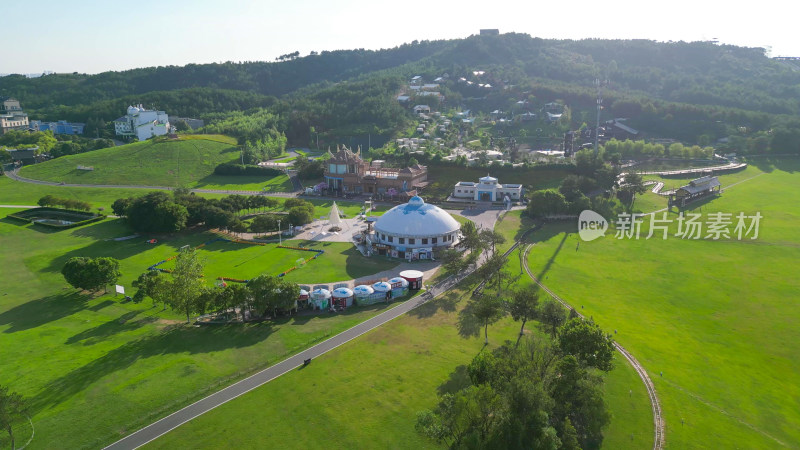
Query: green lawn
{"points": [[717, 317], [340, 262], [367, 393], [187, 162], [102, 367]]}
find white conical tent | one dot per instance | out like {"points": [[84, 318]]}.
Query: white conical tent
{"points": [[333, 219]]}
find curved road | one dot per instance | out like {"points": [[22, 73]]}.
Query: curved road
{"points": [[658, 419]]}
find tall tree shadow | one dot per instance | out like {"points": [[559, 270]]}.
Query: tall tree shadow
{"points": [[42, 310], [458, 380], [122, 324], [446, 303], [176, 339], [468, 325]]}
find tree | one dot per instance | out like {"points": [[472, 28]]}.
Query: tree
{"points": [[300, 215], [633, 185], [588, 343], [151, 284], [120, 206], [187, 283], [552, 315], [272, 293], [453, 261], [491, 238], [523, 307], [156, 212], [13, 409], [90, 273], [487, 310], [546, 202], [470, 238], [181, 125]]}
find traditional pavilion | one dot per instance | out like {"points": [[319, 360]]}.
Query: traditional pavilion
{"points": [[346, 172], [413, 231], [696, 189]]}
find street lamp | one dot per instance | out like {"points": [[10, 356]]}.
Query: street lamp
{"points": [[280, 241]]}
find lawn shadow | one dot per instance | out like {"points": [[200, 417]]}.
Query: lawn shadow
{"points": [[468, 325], [116, 249], [458, 380], [100, 305], [43, 310], [173, 340], [104, 229], [120, 325], [446, 303]]}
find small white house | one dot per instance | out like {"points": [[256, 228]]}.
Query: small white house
{"points": [[142, 123], [487, 189]]}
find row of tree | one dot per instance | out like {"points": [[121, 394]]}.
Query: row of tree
{"points": [[68, 203], [184, 289], [160, 212]]}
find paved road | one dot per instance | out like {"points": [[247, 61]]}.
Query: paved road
{"points": [[176, 419]]}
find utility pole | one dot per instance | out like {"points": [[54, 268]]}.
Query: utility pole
{"points": [[280, 241], [599, 86]]}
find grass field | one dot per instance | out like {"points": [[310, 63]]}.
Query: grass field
{"points": [[340, 262], [103, 367], [718, 318], [188, 162], [366, 394]]}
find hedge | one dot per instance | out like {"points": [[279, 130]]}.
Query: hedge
{"points": [[23, 216]]}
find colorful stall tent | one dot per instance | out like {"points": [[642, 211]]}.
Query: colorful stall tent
{"points": [[342, 297], [414, 278], [399, 286], [383, 288], [302, 299], [321, 298], [366, 295]]}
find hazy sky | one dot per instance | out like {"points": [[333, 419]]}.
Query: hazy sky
{"points": [[95, 36]]}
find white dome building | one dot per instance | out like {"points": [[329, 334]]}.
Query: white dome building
{"points": [[414, 230]]}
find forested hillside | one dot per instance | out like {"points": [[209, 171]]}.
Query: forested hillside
{"points": [[696, 92]]}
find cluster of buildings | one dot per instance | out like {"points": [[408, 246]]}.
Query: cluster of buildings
{"points": [[142, 123], [346, 173], [611, 129], [12, 117], [59, 127]]}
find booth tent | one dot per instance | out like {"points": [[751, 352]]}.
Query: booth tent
{"points": [[399, 286], [366, 295], [321, 298], [342, 297], [302, 299], [414, 278]]}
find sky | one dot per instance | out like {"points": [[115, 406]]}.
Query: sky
{"points": [[91, 36]]}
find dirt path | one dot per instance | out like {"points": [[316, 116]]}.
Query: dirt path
{"points": [[658, 420]]}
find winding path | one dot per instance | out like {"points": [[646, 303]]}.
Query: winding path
{"points": [[658, 419]]}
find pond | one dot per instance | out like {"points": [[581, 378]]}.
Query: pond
{"points": [[53, 221]]}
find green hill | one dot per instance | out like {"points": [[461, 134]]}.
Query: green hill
{"points": [[186, 162]]}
